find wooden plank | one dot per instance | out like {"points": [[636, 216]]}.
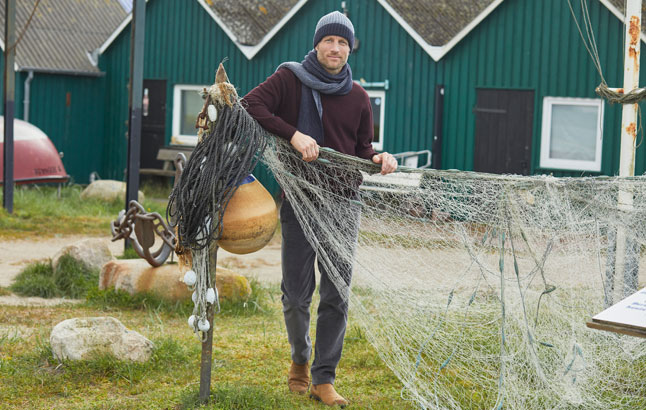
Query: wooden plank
{"points": [[169, 154], [627, 317], [625, 330], [158, 172]]}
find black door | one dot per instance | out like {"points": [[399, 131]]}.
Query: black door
{"points": [[153, 123], [503, 137]]}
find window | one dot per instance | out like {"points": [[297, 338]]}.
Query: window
{"points": [[187, 103], [378, 101], [572, 134]]}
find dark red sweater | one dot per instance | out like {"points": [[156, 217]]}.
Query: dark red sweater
{"points": [[347, 119]]}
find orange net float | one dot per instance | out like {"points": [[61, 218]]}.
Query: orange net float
{"points": [[250, 218]]}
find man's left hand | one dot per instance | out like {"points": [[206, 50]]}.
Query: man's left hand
{"points": [[387, 161]]}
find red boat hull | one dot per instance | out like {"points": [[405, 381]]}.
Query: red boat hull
{"points": [[36, 159]]}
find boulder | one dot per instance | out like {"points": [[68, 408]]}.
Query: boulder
{"points": [[108, 190], [93, 252], [82, 338], [166, 281]]}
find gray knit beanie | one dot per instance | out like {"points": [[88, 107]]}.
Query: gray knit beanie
{"points": [[335, 24]]}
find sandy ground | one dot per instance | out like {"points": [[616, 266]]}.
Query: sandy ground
{"points": [[263, 265]]}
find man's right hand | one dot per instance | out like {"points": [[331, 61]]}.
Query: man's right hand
{"points": [[306, 145]]}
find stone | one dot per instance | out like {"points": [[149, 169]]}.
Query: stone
{"points": [[93, 252], [82, 338], [166, 281], [108, 190]]}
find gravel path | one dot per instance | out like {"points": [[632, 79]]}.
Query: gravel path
{"points": [[15, 254]]}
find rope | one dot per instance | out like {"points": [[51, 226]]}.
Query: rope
{"points": [[613, 97], [227, 153]]}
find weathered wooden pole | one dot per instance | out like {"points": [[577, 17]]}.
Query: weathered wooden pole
{"points": [[207, 345], [138, 29], [625, 263], [9, 107]]}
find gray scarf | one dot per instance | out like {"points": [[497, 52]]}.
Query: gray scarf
{"points": [[316, 80]]}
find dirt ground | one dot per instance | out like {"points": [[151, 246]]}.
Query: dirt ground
{"points": [[15, 254]]}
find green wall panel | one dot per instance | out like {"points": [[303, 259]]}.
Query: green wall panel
{"points": [[522, 44], [184, 45], [74, 125], [532, 45], [70, 111]]}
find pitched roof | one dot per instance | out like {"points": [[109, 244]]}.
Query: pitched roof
{"points": [[63, 33], [251, 24], [438, 25]]}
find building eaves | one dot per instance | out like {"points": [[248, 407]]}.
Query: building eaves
{"points": [[438, 25], [250, 24]]}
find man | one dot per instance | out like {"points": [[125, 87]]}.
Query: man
{"points": [[311, 104]]}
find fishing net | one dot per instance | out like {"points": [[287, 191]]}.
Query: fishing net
{"points": [[229, 146], [474, 289]]}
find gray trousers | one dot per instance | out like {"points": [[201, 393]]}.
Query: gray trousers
{"points": [[298, 286]]}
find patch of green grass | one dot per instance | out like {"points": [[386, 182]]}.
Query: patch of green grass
{"points": [[38, 209], [229, 396], [36, 280], [72, 279], [167, 355], [129, 253], [4, 291], [259, 302], [111, 299], [262, 297], [156, 188]]}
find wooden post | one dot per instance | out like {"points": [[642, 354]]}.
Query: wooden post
{"points": [[9, 103], [207, 346], [625, 246]]}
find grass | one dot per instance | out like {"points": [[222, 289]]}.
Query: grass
{"points": [[250, 352], [71, 279], [38, 210], [109, 300], [250, 349]]}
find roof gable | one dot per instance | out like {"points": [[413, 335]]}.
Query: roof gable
{"points": [[438, 25], [63, 33], [251, 25]]}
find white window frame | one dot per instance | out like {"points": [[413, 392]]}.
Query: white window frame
{"points": [[178, 138], [570, 164], [379, 146]]}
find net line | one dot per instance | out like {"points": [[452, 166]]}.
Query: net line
{"points": [[473, 288]]}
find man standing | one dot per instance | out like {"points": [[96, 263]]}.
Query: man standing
{"points": [[311, 104]]}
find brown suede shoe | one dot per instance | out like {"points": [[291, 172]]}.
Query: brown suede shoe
{"points": [[327, 394], [299, 378]]}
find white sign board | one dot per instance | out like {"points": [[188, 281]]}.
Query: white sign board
{"points": [[629, 312]]}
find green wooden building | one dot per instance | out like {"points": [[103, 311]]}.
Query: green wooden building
{"points": [[503, 86]]}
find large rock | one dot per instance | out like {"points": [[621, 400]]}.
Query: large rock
{"points": [[166, 281], [93, 252], [108, 190], [81, 338]]}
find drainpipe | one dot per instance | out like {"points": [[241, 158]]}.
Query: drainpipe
{"points": [[25, 102]]}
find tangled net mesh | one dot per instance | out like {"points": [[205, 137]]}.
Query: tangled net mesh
{"points": [[475, 289]]}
